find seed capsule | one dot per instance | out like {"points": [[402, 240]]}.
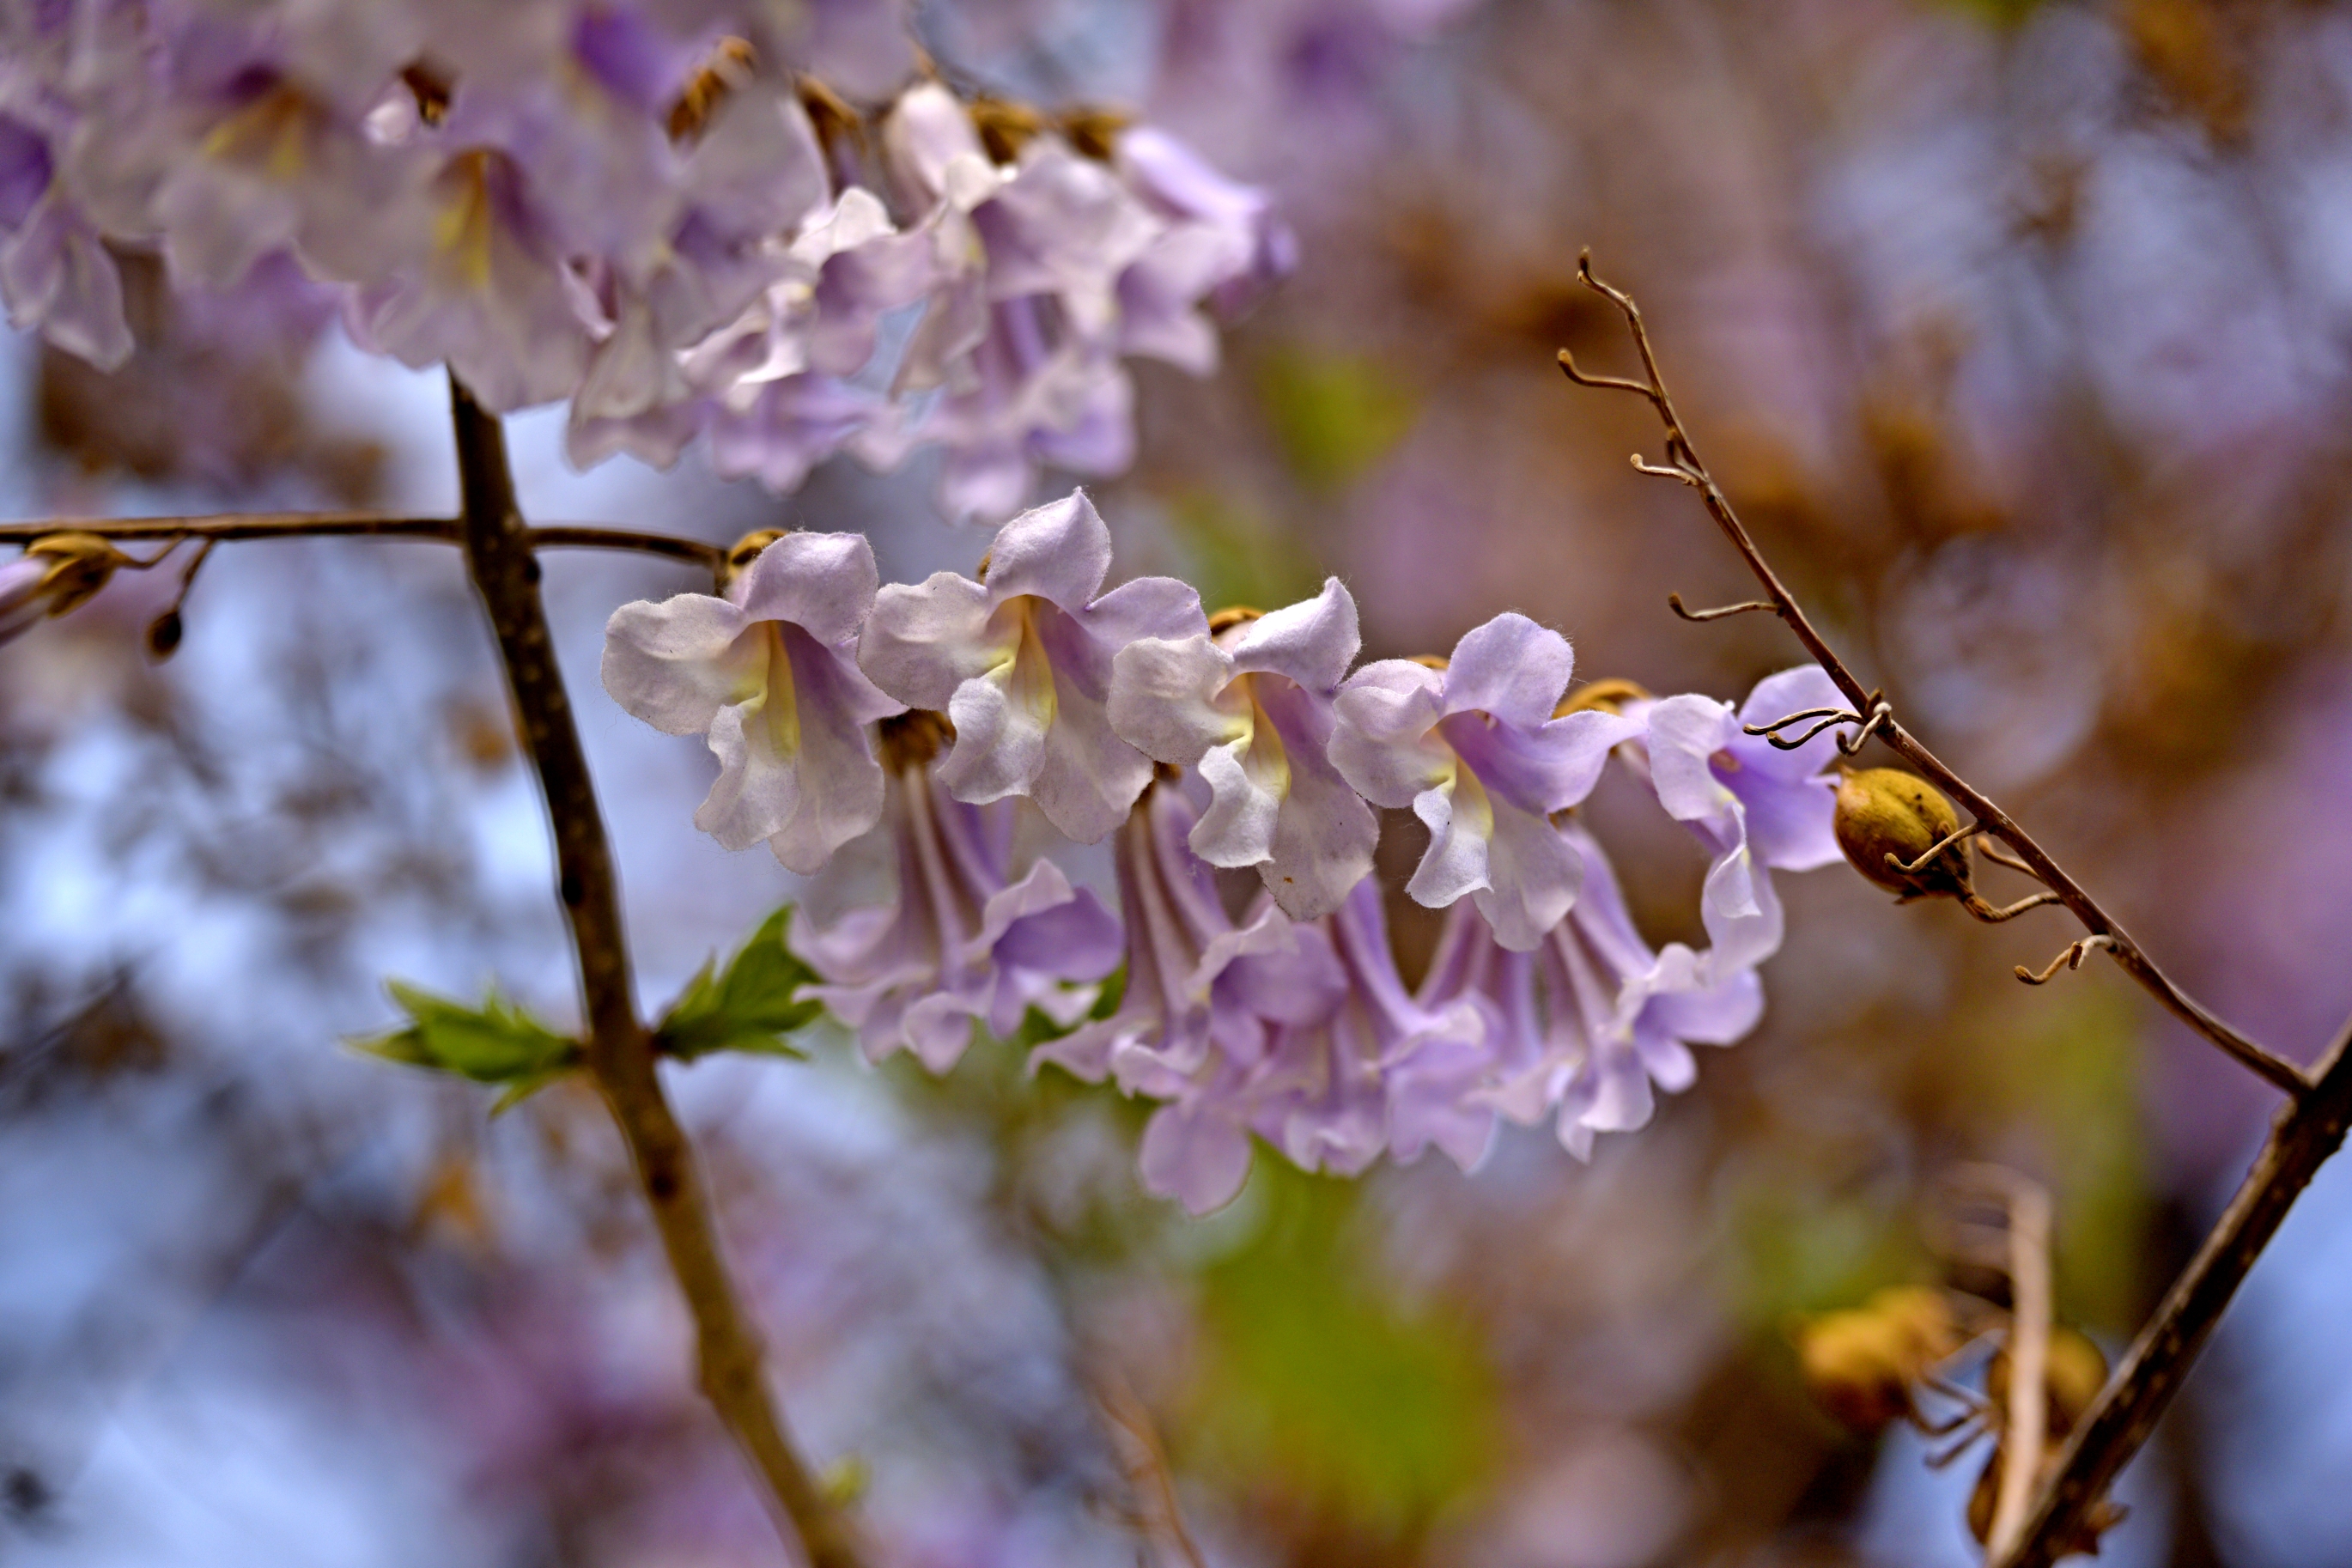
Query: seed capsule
{"points": [[1884, 812]]}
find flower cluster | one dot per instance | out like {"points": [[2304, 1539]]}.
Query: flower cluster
{"points": [[915, 719], [656, 209]]}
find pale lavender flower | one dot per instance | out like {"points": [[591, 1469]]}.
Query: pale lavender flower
{"points": [[768, 675], [1758, 808], [1223, 247], [962, 941], [1475, 751], [1022, 664], [1380, 1069], [55, 274], [1588, 1023], [1251, 711], [20, 594], [1201, 994]]}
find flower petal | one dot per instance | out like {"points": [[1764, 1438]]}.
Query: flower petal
{"points": [[1199, 1159], [675, 663], [1238, 828], [1382, 744], [1511, 668], [1460, 819], [1533, 877], [1169, 700], [822, 582], [923, 640], [1312, 642], [1059, 552]]}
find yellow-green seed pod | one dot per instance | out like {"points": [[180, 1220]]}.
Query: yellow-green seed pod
{"points": [[1884, 812]]}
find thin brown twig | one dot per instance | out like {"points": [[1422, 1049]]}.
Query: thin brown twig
{"points": [[498, 554], [2306, 1132], [2304, 1136], [228, 527], [2028, 1362], [1683, 463]]}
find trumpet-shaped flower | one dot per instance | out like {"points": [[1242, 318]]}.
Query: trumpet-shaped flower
{"points": [[1022, 664], [962, 940], [1200, 997], [1380, 1069], [1475, 751], [768, 675], [1591, 1019], [1755, 807], [1250, 709]]}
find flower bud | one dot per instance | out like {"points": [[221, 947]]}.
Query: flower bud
{"points": [[1886, 814], [1861, 1362], [79, 565]]}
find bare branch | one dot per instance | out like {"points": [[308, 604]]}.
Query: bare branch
{"points": [[229, 527], [2280, 1072], [2029, 1361], [619, 1051], [2308, 1130], [2302, 1138]]}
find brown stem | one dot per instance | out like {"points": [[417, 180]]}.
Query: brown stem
{"points": [[619, 1051], [2305, 1134], [2029, 1361], [1683, 465], [229, 527], [2308, 1130]]}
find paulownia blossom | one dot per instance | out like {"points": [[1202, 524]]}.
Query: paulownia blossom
{"points": [[962, 940], [767, 674], [1591, 1019], [1250, 707], [1021, 663], [1475, 749], [1200, 997], [1757, 807], [1380, 1070]]}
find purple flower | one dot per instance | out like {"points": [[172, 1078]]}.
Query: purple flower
{"points": [[962, 941], [1201, 996], [20, 594], [1222, 245], [1022, 664], [1251, 709], [1475, 751], [768, 675], [1754, 806], [1379, 1069], [1593, 1019]]}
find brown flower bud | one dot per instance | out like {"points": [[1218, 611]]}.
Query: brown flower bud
{"points": [[82, 564], [1860, 1362], [1884, 815], [1004, 126], [1608, 696]]}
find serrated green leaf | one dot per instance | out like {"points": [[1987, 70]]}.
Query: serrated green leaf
{"points": [[495, 1043], [749, 1007]]}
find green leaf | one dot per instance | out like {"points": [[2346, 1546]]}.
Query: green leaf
{"points": [[495, 1043], [749, 1007]]}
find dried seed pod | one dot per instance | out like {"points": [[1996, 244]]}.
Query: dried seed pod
{"points": [[1884, 813]]}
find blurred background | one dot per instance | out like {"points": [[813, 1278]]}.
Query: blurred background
{"points": [[2020, 334]]}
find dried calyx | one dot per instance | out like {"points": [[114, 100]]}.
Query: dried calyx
{"points": [[1608, 696], [910, 740]]}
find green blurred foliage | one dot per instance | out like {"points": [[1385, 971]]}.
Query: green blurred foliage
{"points": [[1322, 1388], [1797, 1249], [2069, 1068], [1333, 415], [749, 1008], [495, 1043], [1238, 556]]}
